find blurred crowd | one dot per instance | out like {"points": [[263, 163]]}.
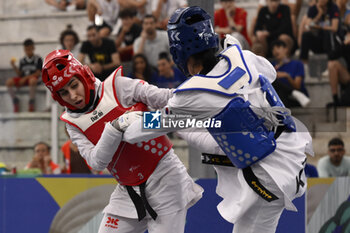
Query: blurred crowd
{"points": [[134, 32]]}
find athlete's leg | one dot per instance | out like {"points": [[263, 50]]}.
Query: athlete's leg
{"points": [[171, 223], [263, 216], [116, 224]]}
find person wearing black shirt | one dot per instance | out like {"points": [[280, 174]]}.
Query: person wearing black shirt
{"points": [[103, 55], [322, 26], [273, 21]]}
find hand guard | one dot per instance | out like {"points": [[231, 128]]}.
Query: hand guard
{"points": [[123, 121]]}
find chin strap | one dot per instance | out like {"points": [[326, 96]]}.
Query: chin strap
{"points": [[91, 103]]}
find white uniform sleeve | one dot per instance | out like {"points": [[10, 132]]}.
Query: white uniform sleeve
{"points": [[97, 156], [202, 140], [201, 105], [130, 91], [260, 65]]}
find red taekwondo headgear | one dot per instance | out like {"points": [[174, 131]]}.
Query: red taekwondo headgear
{"points": [[59, 67]]}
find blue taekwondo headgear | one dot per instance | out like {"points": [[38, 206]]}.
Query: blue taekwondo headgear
{"points": [[190, 31]]}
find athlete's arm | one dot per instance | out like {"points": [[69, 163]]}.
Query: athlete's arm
{"points": [[131, 91], [202, 140], [97, 156]]}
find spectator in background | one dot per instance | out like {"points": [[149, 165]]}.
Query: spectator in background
{"points": [[141, 68], [273, 21], [68, 5], [104, 58], [42, 160], [339, 75], [28, 74], [169, 75], [294, 6], [151, 42], [322, 26], [335, 163], [143, 7], [73, 162], [289, 83], [69, 40], [163, 9], [104, 14], [232, 20], [127, 34]]}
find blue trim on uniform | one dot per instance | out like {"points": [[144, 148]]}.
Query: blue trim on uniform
{"points": [[228, 70], [228, 81], [208, 90]]}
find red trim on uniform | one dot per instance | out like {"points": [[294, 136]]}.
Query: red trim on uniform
{"points": [[114, 88], [70, 123]]}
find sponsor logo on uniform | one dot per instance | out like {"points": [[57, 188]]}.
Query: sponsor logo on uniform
{"points": [[261, 190], [96, 115], [112, 222]]}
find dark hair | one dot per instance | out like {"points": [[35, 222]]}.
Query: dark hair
{"points": [[69, 32], [279, 43], [28, 42], [149, 16], [42, 143], [207, 58], [335, 142], [127, 13], [92, 26], [147, 73], [164, 55]]}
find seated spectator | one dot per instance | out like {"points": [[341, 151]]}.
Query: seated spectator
{"points": [[310, 171], [104, 14], [289, 83], [143, 7], [127, 34], [294, 6], [141, 69], [232, 20], [342, 8], [163, 9], [104, 58], [335, 163], [322, 26], [151, 42], [68, 5], [42, 160], [73, 162], [339, 75], [28, 74], [169, 75], [273, 21], [69, 40]]}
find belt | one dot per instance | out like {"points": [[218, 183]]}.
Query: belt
{"points": [[248, 173], [140, 202]]}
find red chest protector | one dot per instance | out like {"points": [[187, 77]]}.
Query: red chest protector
{"points": [[132, 164]]}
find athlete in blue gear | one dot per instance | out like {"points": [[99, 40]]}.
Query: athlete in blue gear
{"points": [[259, 152]]}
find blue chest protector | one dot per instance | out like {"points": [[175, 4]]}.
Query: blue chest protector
{"points": [[242, 135]]}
